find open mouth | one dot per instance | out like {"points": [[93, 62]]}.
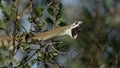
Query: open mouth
{"points": [[74, 32]]}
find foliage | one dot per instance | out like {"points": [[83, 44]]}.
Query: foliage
{"points": [[47, 52], [2, 25]]}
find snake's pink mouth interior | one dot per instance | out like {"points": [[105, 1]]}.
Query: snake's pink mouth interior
{"points": [[74, 33]]}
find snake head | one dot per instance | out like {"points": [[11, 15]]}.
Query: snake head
{"points": [[74, 28], [72, 31], [76, 24]]}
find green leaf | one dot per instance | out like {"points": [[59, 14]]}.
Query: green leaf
{"points": [[1, 6], [29, 19], [48, 1], [7, 12], [59, 21], [13, 60], [46, 65], [38, 11], [62, 24], [60, 6], [48, 20], [58, 16], [25, 47], [51, 11], [55, 54], [2, 25], [59, 13]]}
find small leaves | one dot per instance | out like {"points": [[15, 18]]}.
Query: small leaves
{"points": [[59, 10], [40, 56], [4, 56], [62, 24], [51, 11], [59, 21], [46, 65], [7, 12], [25, 47], [48, 20], [48, 1], [2, 25], [30, 19], [60, 7], [38, 11], [1, 6], [54, 10], [13, 60]]}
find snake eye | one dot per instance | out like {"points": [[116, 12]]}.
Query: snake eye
{"points": [[76, 23]]}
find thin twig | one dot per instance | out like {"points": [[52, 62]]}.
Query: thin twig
{"points": [[115, 10], [31, 11], [26, 60], [69, 56], [49, 3], [26, 10], [116, 60], [57, 50], [49, 44], [14, 32], [15, 23], [32, 55], [23, 28]]}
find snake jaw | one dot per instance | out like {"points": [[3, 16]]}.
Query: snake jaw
{"points": [[74, 28], [74, 33]]}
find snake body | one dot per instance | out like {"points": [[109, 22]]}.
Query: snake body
{"points": [[61, 31]]}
